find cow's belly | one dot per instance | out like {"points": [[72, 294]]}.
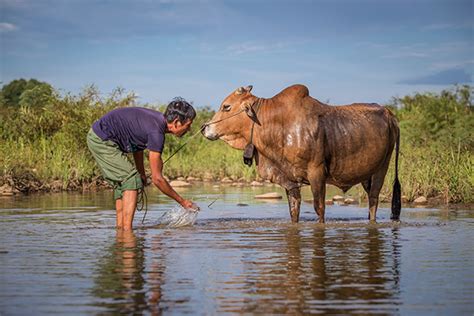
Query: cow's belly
{"points": [[353, 169]]}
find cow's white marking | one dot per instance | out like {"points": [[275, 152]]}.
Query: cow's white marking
{"points": [[209, 131]]}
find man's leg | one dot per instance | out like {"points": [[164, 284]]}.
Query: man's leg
{"points": [[119, 209], [129, 203], [114, 166]]}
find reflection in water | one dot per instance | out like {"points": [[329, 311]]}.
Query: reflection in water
{"points": [[119, 282], [122, 283], [322, 270], [290, 270], [156, 276]]}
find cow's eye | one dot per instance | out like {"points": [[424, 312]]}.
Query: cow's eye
{"points": [[226, 107]]}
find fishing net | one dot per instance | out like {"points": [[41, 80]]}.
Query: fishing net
{"points": [[178, 217]]}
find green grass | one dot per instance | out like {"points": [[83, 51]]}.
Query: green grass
{"points": [[447, 174]]}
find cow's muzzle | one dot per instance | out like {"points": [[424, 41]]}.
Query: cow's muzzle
{"points": [[209, 132]]}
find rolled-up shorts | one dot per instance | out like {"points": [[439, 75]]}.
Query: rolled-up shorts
{"points": [[116, 168]]}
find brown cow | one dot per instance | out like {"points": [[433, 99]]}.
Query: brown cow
{"points": [[299, 140]]}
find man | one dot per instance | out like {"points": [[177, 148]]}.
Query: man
{"points": [[132, 130]]}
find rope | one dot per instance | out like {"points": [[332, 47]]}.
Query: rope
{"points": [[199, 131], [257, 105], [142, 200], [185, 143]]}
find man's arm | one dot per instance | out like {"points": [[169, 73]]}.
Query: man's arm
{"points": [[138, 157], [156, 166]]}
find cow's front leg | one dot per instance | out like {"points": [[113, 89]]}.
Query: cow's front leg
{"points": [[317, 180], [294, 203]]}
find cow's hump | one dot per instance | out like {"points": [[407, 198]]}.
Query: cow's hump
{"points": [[297, 91]]}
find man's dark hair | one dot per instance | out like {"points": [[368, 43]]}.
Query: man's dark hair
{"points": [[179, 109]]}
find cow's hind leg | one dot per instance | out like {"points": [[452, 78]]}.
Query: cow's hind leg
{"points": [[375, 185], [294, 203], [317, 179], [374, 192], [366, 185]]}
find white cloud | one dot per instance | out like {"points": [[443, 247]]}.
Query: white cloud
{"points": [[247, 47], [423, 50], [447, 26], [445, 77], [251, 47], [437, 27], [415, 50], [451, 47], [7, 27], [402, 54], [372, 45], [452, 64]]}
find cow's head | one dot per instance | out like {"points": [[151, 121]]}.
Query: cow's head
{"points": [[233, 119]]}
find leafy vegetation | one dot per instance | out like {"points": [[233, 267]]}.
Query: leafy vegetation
{"points": [[437, 144], [43, 141]]}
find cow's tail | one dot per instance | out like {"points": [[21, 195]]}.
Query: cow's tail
{"points": [[397, 190]]}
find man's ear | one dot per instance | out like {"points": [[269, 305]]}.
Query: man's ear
{"points": [[176, 122]]}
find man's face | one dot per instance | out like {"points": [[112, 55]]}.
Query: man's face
{"points": [[181, 129]]}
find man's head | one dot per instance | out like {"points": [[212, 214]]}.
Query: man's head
{"points": [[179, 116]]}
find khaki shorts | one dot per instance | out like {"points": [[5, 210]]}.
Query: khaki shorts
{"points": [[114, 164]]}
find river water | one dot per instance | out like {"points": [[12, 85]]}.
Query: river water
{"points": [[60, 254]]}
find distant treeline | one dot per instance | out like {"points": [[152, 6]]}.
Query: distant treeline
{"points": [[43, 142]]}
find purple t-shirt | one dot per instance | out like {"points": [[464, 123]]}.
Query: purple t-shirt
{"points": [[133, 129]]}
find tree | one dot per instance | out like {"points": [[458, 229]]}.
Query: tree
{"points": [[11, 93], [38, 96]]}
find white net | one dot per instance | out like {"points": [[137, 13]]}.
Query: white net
{"points": [[178, 217]]}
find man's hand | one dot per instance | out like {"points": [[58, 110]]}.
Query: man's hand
{"points": [[144, 179], [156, 165], [190, 205]]}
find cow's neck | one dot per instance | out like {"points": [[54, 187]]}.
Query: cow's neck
{"points": [[269, 138], [265, 135], [243, 137]]}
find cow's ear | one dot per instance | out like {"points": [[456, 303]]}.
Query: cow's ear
{"points": [[242, 90], [248, 108]]}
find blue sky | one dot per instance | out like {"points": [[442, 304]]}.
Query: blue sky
{"points": [[344, 51]]}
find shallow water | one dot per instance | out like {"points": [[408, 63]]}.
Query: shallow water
{"points": [[60, 254]]}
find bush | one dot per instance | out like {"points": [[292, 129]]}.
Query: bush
{"points": [[48, 140], [436, 145]]}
